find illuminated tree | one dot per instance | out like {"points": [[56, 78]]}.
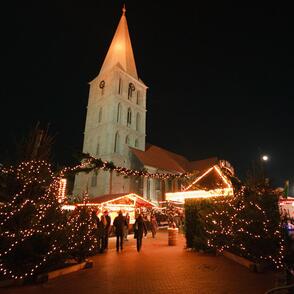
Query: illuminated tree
{"points": [[32, 224], [82, 240], [36, 235]]}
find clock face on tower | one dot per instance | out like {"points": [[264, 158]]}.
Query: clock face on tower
{"points": [[102, 84]]}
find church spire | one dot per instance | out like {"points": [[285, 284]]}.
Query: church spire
{"points": [[120, 50]]}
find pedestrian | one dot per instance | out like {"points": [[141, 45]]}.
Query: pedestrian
{"points": [[107, 228], [154, 226], [126, 228], [119, 224], [97, 230], [100, 234], [139, 229]]}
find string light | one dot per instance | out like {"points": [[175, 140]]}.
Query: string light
{"points": [[38, 196], [91, 163], [229, 224]]}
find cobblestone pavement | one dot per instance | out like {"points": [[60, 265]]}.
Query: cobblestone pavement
{"points": [[159, 269]]}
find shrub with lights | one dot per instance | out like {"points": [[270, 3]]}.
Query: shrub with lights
{"points": [[32, 224], [247, 224]]}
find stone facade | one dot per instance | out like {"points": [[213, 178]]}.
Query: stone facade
{"points": [[116, 117]]}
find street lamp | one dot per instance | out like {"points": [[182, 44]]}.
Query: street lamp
{"points": [[265, 158]]}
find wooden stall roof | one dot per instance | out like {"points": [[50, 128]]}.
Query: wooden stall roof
{"points": [[122, 198]]}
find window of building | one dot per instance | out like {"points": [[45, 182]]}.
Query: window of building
{"points": [[119, 86], [129, 117], [98, 149], [138, 97], [157, 184], [136, 143], [169, 185], [138, 122], [131, 89], [100, 115], [116, 142], [118, 115], [148, 189], [94, 180], [127, 140]]}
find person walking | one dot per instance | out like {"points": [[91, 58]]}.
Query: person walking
{"points": [[106, 229], [126, 228], [97, 229], [100, 234], [119, 224], [139, 229], [154, 226]]}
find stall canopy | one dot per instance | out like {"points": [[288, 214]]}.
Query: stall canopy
{"points": [[127, 203], [210, 183], [121, 199]]}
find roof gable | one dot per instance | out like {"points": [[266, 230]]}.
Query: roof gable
{"points": [[211, 179]]}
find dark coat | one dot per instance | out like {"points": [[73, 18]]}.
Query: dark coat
{"points": [[100, 228], [108, 220], [119, 223], [140, 227]]}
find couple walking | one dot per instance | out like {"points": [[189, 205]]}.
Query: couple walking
{"points": [[120, 222]]}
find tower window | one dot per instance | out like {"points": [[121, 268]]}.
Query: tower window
{"points": [[100, 115], [131, 90], [127, 140], [119, 86], [118, 115], [138, 97], [129, 117], [136, 143], [138, 122], [116, 142]]}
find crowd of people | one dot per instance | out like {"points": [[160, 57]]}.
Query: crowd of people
{"points": [[146, 220], [121, 229]]}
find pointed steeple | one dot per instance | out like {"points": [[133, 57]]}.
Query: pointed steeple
{"points": [[120, 51]]}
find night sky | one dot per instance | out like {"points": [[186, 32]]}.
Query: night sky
{"points": [[220, 77]]}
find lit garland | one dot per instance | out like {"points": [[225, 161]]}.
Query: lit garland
{"points": [[90, 163]]}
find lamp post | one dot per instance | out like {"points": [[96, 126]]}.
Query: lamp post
{"points": [[264, 159]]}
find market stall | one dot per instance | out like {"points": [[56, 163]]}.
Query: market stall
{"points": [[127, 203], [213, 182]]}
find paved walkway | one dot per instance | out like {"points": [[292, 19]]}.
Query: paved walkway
{"points": [[157, 269]]}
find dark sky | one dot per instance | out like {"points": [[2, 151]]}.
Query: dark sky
{"points": [[220, 77]]}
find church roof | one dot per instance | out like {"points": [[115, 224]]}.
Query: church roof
{"points": [[163, 159], [120, 52], [203, 164]]}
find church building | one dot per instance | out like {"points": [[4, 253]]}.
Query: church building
{"points": [[115, 130]]}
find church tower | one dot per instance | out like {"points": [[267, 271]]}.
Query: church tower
{"points": [[116, 117]]}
